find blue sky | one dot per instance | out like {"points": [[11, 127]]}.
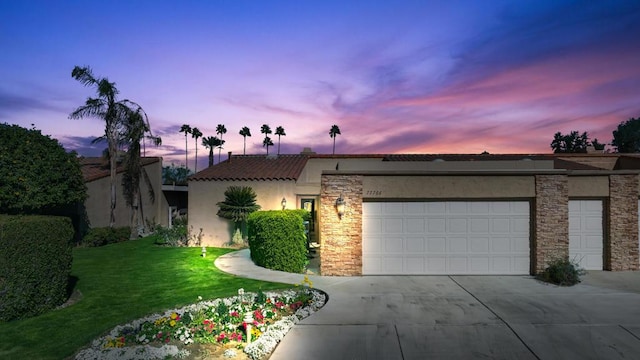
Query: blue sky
{"points": [[396, 76]]}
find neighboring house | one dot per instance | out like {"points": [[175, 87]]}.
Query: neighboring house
{"points": [[442, 214], [95, 171]]}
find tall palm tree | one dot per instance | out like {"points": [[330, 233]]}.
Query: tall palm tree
{"points": [[196, 134], [266, 130], [220, 130], [137, 128], [333, 133], [210, 142], [114, 112], [280, 132], [186, 129], [245, 132], [267, 142]]}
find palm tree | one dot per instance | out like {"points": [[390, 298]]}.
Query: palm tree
{"points": [[186, 129], [280, 132], [210, 143], [239, 202], [196, 134], [114, 112], [245, 132], [220, 130], [334, 132], [267, 142], [266, 130], [136, 129]]}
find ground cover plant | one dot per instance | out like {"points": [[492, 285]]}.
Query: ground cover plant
{"points": [[119, 283]]}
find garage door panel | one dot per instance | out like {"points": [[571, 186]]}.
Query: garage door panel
{"points": [[415, 245], [472, 237], [586, 244]]}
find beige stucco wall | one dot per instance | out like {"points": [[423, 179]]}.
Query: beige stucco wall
{"points": [[309, 179], [589, 186], [204, 195], [448, 187], [98, 200]]}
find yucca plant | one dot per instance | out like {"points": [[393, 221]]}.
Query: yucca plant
{"points": [[239, 202]]}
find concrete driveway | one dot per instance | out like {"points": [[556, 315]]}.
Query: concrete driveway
{"points": [[462, 317]]}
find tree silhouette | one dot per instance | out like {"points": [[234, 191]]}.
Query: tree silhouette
{"points": [[266, 130], [210, 142], [186, 129], [220, 130], [245, 132], [115, 113], [626, 138], [571, 143], [280, 132], [333, 133], [196, 134]]}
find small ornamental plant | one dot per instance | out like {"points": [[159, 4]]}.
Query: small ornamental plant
{"points": [[221, 321], [563, 272]]}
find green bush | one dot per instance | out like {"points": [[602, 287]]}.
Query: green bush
{"points": [[563, 272], [277, 240], [105, 235], [304, 214], [178, 235], [35, 263]]}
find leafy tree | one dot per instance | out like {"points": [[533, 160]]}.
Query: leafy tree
{"points": [[279, 132], [37, 175], [186, 129], [175, 175], [597, 145], [115, 114], [239, 202], [220, 130], [266, 130], [137, 129], [196, 134], [571, 143], [245, 132], [333, 133], [626, 138]]}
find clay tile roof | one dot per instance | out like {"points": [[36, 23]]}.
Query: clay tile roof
{"points": [[255, 167], [94, 168]]}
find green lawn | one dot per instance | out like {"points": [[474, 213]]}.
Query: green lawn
{"points": [[120, 283]]}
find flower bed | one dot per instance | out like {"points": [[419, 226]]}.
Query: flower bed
{"points": [[251, 322]]}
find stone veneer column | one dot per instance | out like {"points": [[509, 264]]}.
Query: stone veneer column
{"points": [[341, 239], [621, 249], [551, 232]]}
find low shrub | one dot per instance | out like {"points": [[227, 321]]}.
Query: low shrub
{"points": [[35, 264], [178, 235], [277, 240], [563, 272], [105, 235]]}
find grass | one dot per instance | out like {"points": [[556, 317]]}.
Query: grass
{"points": [[119, 283]]}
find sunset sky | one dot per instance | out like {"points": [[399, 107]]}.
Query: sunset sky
{"points": [[395, 76]]}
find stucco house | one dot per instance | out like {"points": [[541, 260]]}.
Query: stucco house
{"points": [[95, 171], [442, 214]]}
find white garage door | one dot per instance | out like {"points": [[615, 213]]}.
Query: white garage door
{"points": [[466, 237], [585, 233]]}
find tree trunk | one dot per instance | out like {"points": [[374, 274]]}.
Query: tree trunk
{"points": [[113, 164]]}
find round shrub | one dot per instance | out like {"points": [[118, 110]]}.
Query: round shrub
{"points": [[563, 272], [277, 240]]}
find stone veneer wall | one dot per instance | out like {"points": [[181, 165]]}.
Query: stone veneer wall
{"points": [[341, 239], [551, 228], [621, 249]]}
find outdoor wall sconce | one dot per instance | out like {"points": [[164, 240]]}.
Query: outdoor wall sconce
{"points": [[283, 203], [340, 206]]}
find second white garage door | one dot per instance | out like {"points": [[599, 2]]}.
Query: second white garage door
{"points": [[462, 237], [585, 233]]}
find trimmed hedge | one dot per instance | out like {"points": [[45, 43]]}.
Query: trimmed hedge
{"points": [[277, 240], [105, 235], [35, 264]]}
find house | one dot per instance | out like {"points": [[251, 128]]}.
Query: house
{"points": [[442, 214], [95, 171]]}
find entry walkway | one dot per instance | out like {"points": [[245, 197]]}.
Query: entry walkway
{"points": [[460, 317]]}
